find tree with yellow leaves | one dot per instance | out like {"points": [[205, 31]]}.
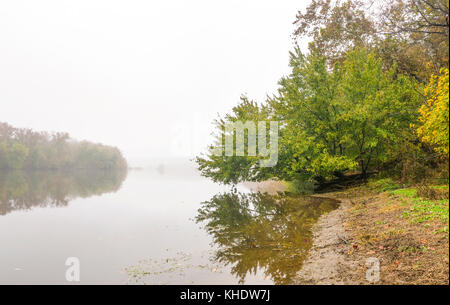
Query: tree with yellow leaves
{"points": [[434, 115]]}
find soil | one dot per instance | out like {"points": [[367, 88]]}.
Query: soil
{"points": [[327, 260], [370, 226]]}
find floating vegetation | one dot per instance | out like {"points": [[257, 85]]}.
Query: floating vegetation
{"points": [[165, 270], [153, 267]]}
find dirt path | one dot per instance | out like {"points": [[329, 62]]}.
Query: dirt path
{"points": [[327, 262]]}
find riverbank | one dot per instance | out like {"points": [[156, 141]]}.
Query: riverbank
{"points": [[327, 262], [406, 233]]}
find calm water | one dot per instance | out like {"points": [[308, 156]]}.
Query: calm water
{"points": [[163, 226]]}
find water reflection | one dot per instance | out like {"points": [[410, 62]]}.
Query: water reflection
{"points": [[261, 231], [22, 190]]}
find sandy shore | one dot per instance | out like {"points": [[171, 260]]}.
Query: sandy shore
{"points": [[327, 262]]}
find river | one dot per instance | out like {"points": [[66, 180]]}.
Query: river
{"points": [[165, 225]]}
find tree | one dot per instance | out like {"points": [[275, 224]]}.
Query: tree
{"points": [[434, 115], [331, 120], [422, 26], [12, 155], [22, 148], [412, 33], [335, 26], [351, 115], [378, 107], [222, 168], [428, 17]]}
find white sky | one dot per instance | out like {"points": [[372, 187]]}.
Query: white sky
{"points": [[146, 76]]}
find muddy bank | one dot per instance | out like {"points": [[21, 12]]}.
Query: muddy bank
{"points": [[327, 262]]}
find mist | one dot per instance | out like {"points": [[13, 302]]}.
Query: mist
{"points": [[146, 77]]}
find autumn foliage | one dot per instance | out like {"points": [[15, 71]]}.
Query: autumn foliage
{"points": [[434, 114]]}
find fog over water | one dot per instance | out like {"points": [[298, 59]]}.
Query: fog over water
{"points": [[166, 225], [146, 76]]}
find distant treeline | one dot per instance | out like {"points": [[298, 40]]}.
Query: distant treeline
{"points": [[23, 148]]}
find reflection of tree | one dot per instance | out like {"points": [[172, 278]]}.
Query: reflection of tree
{"points": [[22, 190], [256, 230]]}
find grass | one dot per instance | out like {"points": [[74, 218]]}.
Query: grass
{"points": [[405, 227], [427, 210], [383, 185], [411, 249], [423, 209], [408, 192]]}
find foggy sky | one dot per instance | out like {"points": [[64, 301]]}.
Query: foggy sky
{"points": [[146, 76]]}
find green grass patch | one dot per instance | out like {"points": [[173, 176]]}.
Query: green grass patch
{"points": [[423, 210], [427, 210], [383, 185], [407, 192]]}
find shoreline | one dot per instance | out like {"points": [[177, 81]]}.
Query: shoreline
{"points": [[406, 234], [326, 261]]}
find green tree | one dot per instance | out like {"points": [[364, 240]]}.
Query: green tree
{"points": [[221, 168], [12, 155], [22, 148], [332, 120], [377, 108]]}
